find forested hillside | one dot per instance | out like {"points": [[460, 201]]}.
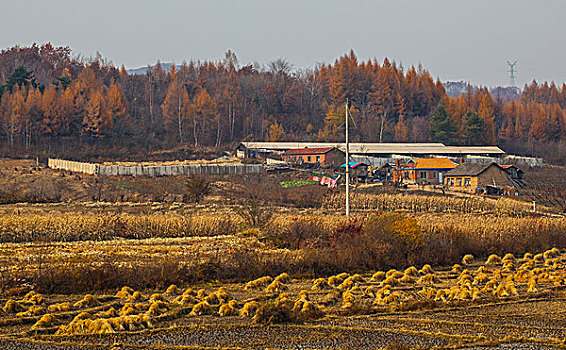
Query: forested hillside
{"points": [[55, 104]]}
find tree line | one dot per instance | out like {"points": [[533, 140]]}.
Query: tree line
{"points": [[51, 99]]}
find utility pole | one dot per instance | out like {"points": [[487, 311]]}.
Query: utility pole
{"points": [[347, 165]]}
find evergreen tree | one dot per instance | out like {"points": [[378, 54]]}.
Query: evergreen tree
{"points": [[441, 127], [64, 81], [20, 77], [473, 129]]}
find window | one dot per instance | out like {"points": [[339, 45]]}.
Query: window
{"points": [[459, 182], [467, 182], [452, 182], [406, 175], [309, 159], [318, 159], [423, 174]]}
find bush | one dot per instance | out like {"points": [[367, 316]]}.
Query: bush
{"points": [[380, 240], [254, 212], [198, 187], [300, 232]]}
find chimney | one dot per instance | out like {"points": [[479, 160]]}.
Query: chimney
{"points": [[397, 163]]}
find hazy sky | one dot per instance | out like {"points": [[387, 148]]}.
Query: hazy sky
{"points": [[454, 39]]}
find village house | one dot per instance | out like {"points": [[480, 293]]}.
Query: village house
{"points": [[473, 176], [422, 170], [326, 156]]}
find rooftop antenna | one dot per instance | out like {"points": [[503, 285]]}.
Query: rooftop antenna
{"points": [[511, 73]]}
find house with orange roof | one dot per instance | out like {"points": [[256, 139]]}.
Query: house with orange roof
{"points": [[328, 156], [423, 170]]}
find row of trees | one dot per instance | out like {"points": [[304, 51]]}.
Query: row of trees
{"points": [[48, 97], [80, 108]]}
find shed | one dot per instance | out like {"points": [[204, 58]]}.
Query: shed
{"points": [[358, 170], [514, 172], [384, 172]]}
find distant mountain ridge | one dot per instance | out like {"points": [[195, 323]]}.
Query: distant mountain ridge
{"points": [[143, 70]]}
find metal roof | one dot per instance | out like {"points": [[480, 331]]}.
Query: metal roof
{"points": [[433, 163], [470, 169], [309, 150], [380, 148], [473, 150]]}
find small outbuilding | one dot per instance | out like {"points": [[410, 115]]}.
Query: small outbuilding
{"points": [[514, 172], [358, 170], [474, 176], [384, 172]]}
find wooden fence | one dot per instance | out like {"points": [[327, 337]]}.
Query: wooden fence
{"points": [[155, 170]]}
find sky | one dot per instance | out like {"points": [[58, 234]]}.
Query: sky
{"points": [[469, 40]]}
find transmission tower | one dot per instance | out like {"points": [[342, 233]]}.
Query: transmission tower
{"points": [[511, 73]]}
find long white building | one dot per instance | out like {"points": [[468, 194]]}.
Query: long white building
{"points": [[380, 150]]}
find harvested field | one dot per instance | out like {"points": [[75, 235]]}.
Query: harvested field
{"points": [[516, 303]]}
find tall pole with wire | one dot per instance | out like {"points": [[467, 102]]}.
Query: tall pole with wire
{"points": [[347, 165], [511, 73]]}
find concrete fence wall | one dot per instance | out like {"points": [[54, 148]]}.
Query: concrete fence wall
{"points": [[159, 170], [78, 167]]}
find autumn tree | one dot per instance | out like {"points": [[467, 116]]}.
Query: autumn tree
{"points": [[97, 121], [116, 106], [333, 123], [231, 94], [5, 115], [51, 108], [401, 130], [177, 106], [275, 133], [18, 113], [204, 116], [34, 114], [486, 110], [384, 105]]}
